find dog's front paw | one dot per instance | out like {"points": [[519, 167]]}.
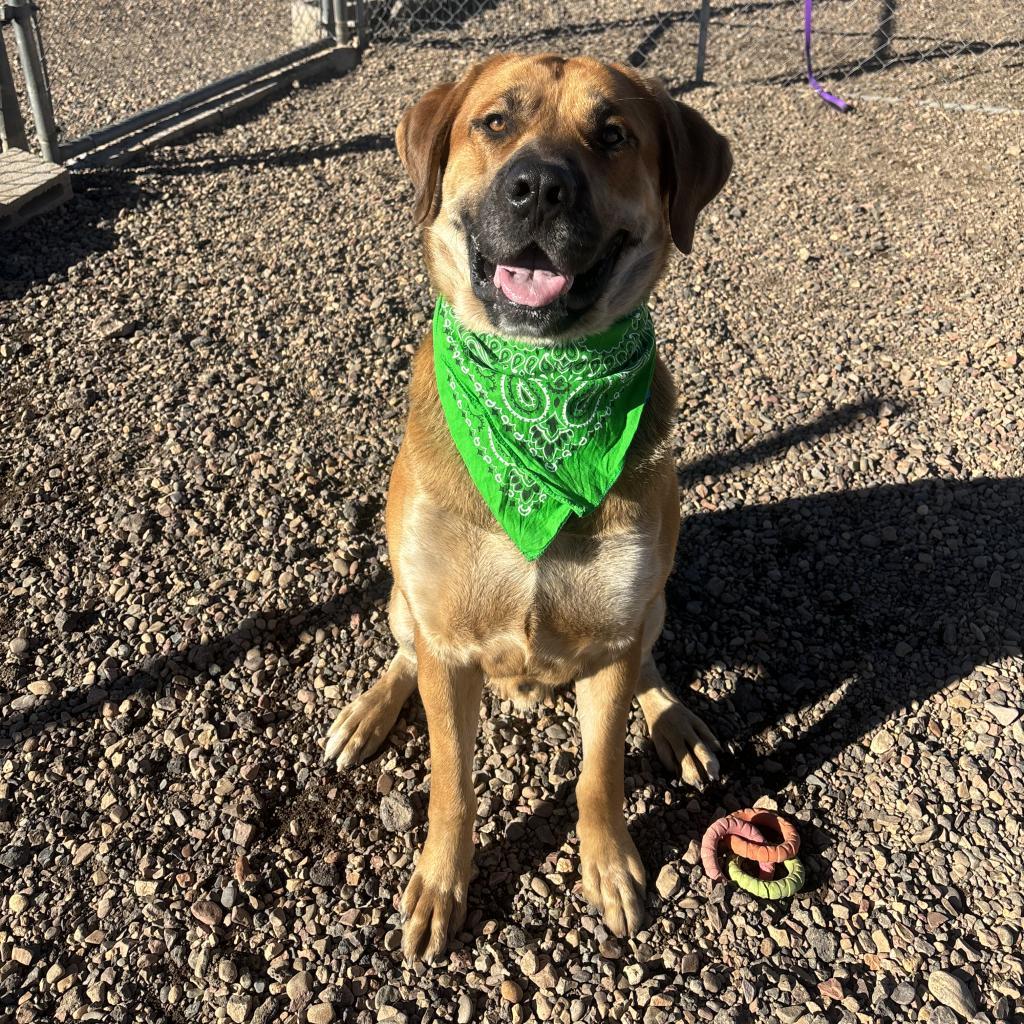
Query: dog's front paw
{"points": [[362, 726], [434, 904], [613, 879], [685, 745]]}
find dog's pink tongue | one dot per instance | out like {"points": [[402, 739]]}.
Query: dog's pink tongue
{"points": [[528, 286]]}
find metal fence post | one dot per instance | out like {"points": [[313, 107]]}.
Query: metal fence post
{"points": [[26, 35], [12, 127], [360, 26], [340, 8], [702, 41], [882, 41]]}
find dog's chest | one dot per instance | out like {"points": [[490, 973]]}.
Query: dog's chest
{"points": [[475, 598]]}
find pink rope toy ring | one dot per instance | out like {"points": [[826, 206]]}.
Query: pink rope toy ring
{"points": [[729, 827]]}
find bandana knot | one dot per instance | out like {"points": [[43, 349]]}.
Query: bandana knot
{"points": [[543, 431]]}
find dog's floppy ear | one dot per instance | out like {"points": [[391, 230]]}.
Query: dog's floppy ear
{"points": [[424, 137], [695, 164]]}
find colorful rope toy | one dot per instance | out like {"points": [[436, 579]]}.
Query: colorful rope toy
{"points": [[741, 834]]}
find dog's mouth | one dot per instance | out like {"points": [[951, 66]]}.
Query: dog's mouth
{"points": [[532, 280], [533, 288]]}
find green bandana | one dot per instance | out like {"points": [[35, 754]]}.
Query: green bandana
{"points": [[543, 431]]}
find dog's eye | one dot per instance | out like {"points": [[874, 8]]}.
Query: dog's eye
{"points": [[495, 123], [612, 136]]}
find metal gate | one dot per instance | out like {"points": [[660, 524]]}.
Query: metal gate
{"points": [[102, 79]]}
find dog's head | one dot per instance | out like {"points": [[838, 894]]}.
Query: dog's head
{"points": [[551, 189]]}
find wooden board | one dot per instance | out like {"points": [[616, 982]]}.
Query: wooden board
{"points": [[29, 186]]}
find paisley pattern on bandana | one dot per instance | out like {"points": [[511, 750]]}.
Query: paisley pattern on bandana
{"points": [[543, 430]]}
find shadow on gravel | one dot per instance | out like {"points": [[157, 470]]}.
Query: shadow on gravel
{"points": [[165, 163], [847, 607], [44, 250], [656, 25], [276, 629], [942, 50]]}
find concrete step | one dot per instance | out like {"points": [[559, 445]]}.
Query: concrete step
{"points": [[29, 185]]}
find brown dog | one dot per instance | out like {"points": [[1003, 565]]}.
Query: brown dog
{"points": [[596, 171]]}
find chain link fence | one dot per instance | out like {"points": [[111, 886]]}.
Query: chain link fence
{"points": [[113, 63], [934, 51]]}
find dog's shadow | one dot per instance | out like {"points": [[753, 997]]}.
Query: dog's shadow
{"points": [[809, 622]]}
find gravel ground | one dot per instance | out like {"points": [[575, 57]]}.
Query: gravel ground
{"points": [[204, 364], [108, 59]]}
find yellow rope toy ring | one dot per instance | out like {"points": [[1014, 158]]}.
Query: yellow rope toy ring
{"points": [[769, 889]]}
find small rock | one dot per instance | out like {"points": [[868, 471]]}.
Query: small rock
{"points": [[327, 875], [1003, 715], [951, 990], [243, 833], [831, 989], [266, 1012], [510, 991], [668, 881], [300, 988], [207, 912], [464, 1013], [823, 943], [321, 1013], [882, 742], [396, 813], [903, 994], [239, 1008]]}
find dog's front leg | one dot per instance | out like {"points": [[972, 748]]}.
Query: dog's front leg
{"points": [[435, 901], [613, 875]]}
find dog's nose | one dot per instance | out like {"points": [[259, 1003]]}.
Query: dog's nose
{"points": [[539, 189]]}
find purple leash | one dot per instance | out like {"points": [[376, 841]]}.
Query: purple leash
{"points": [[835, 101]]}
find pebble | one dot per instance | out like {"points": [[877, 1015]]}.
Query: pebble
{"points": [[903, 994], [668, 882], [951, 990], [300, 988], [1003, 715], [207, 912], [239, 1008], [320, 1013], [882, 742], [396, 813], [510, 991]]}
